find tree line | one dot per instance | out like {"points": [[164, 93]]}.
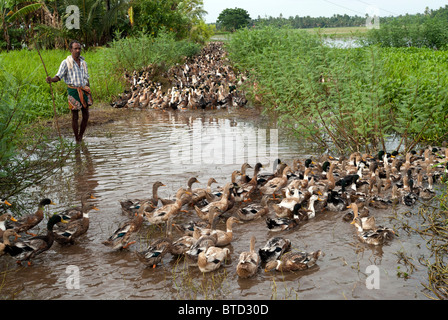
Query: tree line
{"points": [[233, 19], [425, 30]]}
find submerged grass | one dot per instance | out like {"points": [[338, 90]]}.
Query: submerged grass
{"points": [[430, 222], [187, 286], [7, 295]]}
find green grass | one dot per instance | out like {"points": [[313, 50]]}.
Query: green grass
{"points": [[339, 31], [106, 68], [29, 72]]}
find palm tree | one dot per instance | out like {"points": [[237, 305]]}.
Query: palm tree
{"points": [[194, 12], [192, 9], [97, 19]]}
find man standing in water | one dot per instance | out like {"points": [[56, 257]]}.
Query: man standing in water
{"points": [[73, 71]]}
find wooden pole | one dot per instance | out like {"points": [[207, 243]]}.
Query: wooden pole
{"points": [[52, 95]]}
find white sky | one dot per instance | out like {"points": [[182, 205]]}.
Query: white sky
{"points": [[317, 8]]}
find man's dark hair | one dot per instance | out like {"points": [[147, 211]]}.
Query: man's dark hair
{"points": [[72, 42]]}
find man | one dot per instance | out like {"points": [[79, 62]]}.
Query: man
{"points": [[73, 71]]}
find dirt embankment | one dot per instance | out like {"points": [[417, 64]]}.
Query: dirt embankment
{"points": [[99, 114]]}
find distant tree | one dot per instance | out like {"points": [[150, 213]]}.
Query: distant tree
{"points": [[233, 19]]}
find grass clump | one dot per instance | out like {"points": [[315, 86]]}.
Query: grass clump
{"points": [[143, 51], [212, 286]]}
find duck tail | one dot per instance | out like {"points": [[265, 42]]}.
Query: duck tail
{"points": [[199, 212]]}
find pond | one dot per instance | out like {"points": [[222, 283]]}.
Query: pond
{"points": [[123, 159]]}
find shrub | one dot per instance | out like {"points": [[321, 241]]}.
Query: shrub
{"points": [[27, 156]]}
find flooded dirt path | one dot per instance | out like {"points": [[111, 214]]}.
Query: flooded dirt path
{"points": [[123, 159]]}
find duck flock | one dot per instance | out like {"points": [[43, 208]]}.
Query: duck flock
{"points": [[281, 199], [205, 81]]}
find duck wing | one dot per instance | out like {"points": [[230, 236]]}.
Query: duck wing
{"points": [[274, 248]]}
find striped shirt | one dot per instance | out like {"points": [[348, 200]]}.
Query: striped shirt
{"points": [[77, 76]]}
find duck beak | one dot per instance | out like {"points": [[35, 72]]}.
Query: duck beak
{"points": [[7, 203], [13, 219], [64, 221], [92, 196], [353, 221], [95, 208], [52, 203]]}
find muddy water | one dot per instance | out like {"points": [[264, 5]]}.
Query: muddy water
{"points": [[123, 159]]}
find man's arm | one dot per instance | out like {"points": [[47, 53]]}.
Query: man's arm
{"points": [[54, 79], [61, 73]]}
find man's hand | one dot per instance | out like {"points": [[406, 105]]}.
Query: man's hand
{"points": [[50, 79]]}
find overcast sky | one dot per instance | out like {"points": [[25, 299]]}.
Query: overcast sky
{"points": [[317, 8]]}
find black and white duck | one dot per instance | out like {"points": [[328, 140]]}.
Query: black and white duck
{"points": [[274, 248]]}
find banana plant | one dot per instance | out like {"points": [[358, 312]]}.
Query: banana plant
{"points": [[26, 10]]}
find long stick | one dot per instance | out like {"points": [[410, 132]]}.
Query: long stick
{"points": [[51, 90]]}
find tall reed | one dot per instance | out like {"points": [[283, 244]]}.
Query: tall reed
{"points": [[345, 99]]}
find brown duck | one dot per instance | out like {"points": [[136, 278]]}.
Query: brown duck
{"points": [[30, 221], [74, 229]]}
